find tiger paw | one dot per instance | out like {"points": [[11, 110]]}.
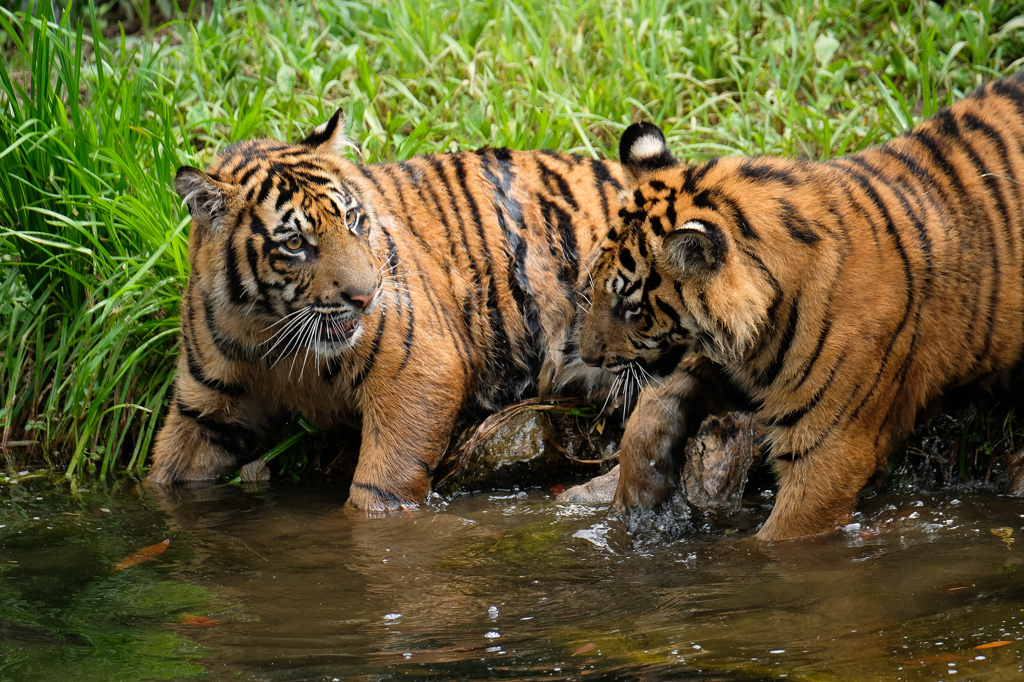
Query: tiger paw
{"points": [[370, 498]]}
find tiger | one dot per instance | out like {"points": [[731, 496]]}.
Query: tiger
{"points": [[843, 297], [404, 299]]}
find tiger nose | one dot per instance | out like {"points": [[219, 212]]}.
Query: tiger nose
{"points": [[593, 357], [362, 300]]}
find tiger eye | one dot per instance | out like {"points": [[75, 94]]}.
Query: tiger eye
{"points": [[351, 216], [294, 242]]}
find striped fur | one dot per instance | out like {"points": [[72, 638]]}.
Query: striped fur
{"points": [[436, 289], [843, 297]]}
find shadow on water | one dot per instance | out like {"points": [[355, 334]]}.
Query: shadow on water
{"points": [[280, 584]]}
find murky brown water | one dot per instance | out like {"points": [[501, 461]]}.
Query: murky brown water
{"points": [[504, 586]]}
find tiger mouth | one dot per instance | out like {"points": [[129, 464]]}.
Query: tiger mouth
{"points": [[336, 331]]}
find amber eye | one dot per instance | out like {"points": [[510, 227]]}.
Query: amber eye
{"points": [[294, 242], [351, 216]]}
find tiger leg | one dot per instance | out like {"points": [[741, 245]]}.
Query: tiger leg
{"points": [[405, 433], [818, 492], [657, 429], [201, 439]]}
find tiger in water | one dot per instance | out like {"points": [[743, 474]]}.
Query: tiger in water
{"points": [[400, 298], [843, 297]]}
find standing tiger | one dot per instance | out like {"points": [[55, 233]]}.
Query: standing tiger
{"points": [[398, 298], [842, 296]]}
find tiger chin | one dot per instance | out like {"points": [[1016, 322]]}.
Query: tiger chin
{"points": [[843, 297], [400, 298]]}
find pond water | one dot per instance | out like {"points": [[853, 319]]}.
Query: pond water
{"points": [[280, 584]]}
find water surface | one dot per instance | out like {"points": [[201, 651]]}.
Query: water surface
{"points": [[281, 584]]}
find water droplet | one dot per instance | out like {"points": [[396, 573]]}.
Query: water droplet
{"points": [[392, 616], [492, 635]]}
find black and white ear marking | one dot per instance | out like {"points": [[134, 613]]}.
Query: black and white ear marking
{"points": [[642, 147], [204, 196], [329, 137], [694, 248]]}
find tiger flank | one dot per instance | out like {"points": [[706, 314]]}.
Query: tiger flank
{"points": [[843, 296], [397, 298]]}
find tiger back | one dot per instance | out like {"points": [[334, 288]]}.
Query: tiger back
{"points": [[400, 298], [842, 296]]}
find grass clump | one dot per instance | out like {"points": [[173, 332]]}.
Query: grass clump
{"points": [[95, 121]]}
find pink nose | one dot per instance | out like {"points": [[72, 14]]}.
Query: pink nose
{"points": [[364, 300]]}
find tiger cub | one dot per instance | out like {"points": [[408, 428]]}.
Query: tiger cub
{"points": [[398, 298], [841, 296]]}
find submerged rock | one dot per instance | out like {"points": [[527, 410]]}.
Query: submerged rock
{"points": [[528, 445]]}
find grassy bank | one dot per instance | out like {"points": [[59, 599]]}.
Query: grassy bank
{"points": [[96, 118]]}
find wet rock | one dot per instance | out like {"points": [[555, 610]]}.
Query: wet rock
{"points": [[255, 472], [527, 445], [718, 459], [596, 491]]}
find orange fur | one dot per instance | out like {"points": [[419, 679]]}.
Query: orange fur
{"points": [[843, 297], [462, 274]]}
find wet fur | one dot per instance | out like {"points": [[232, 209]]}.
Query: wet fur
{"points": [[843, 297]]}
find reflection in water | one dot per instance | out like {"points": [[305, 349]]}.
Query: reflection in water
{"points": [[513, 586]]}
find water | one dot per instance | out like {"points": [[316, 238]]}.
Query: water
{"points": [[280, 584]]}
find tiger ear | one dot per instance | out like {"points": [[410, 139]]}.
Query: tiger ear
{"points": [[643, 148], [695, 248], [205, 197], [329, 137]]}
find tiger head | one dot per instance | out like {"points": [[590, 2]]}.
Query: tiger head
{"points": [[280, 245], [666, 282]]}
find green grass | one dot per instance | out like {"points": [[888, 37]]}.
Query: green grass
{"points": [[95, 121]]}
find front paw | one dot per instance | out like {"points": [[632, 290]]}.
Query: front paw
{"points": [[371, 498], [178, 467], [643, 485]]}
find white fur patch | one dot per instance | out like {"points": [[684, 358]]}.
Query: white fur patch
{"points": [[693, 225], [646, 147]]}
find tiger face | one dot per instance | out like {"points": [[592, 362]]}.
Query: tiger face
{"points": [[638, 317], [280, 240], [668, 269]]}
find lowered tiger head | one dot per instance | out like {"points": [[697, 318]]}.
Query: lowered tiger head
{"points": [[280, 247], [666, 282]]}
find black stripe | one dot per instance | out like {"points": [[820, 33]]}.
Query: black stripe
{"points": [[890, 227], [949, 127], [391, 500], [761, 170], [226, 346], [602, 178], [738, 216], [371, 359], [695, 174], [826, 327], [884, 179], [500, 342], [196, 371], [798, 227], [234, 439], [789, 420], [767, 376]]}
